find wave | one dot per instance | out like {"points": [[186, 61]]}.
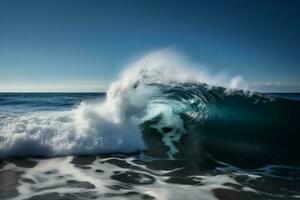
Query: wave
{"points": [[161, 105]]}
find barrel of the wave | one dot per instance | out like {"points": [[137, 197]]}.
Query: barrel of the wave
{"points": [[245, 128]]}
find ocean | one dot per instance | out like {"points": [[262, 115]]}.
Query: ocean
{"points": [[190, 143]]}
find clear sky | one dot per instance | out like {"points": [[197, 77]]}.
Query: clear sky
{"points": [[81, 45]]}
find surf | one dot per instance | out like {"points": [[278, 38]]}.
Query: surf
{"points": [[162, 106]]}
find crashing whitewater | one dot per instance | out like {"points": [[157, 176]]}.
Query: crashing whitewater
{"points": [[163, 97]]}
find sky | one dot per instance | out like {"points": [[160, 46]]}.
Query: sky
{"points": [[79, 45]]}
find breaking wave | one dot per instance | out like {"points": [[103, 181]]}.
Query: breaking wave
{"points": [[162, 105]]}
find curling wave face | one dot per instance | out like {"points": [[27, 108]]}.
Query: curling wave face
{"points": [[161, 106]]}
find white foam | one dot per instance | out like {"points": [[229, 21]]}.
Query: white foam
{"points": [[64, 171]]}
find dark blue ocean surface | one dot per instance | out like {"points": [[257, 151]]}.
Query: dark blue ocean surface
{"points": [[28, 102], [293, 96]]}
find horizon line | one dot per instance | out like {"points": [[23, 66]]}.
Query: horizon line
{"points": [[3, 92]]}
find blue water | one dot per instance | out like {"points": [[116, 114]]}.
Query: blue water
{"points": [[29, 102], [292, 96]]}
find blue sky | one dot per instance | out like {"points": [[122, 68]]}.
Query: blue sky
{"points": [[72, 45]]}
